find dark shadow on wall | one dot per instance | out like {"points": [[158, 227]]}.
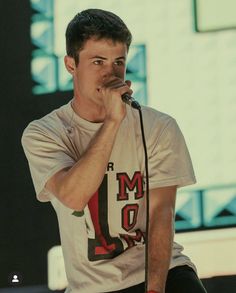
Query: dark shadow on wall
{"points": [[28, 228]]}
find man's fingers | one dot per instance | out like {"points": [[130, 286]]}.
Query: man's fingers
{"points": [[117, 85], [114, 83], [128, 82]]}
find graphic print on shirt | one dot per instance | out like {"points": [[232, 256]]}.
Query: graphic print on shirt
{"points": [[104, 246]]}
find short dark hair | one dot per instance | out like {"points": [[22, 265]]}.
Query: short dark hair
{"points": [[96, 23]]}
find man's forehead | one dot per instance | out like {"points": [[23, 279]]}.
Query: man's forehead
{"points": [[103, 45]]}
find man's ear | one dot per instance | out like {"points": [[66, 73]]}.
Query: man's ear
{"points": [[70, 64]]}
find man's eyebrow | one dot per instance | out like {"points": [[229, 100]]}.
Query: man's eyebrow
{"points": [[121, 57], [98, 57], [104, 58]]}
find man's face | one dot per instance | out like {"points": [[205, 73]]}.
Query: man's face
{"points": [[99, 62]]}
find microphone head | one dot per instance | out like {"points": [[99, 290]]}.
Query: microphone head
{"points": [[126, 98]]}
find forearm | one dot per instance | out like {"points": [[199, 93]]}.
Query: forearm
{"points": [[76, 186], [159, 249]]}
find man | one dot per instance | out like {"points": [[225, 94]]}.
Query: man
{"points": [[87, 159]]}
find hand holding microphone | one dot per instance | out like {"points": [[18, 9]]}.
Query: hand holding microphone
{"points": [[113, 91], [126, 97]]}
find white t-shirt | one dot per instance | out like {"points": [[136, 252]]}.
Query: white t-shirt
{"points": [[103, 246]]}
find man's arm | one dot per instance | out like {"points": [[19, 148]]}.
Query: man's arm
{"points": [[75, 186], [161, 230]]}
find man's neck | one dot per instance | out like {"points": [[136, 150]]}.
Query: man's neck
{"points": [[88, 111]]}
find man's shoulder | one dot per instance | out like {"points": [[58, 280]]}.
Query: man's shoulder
{"points": [[156, 120], [54, 118], [151, 113], [51, 123]]}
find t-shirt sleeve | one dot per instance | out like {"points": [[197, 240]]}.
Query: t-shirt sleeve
{"points": [[46, 155], [169, 160]]}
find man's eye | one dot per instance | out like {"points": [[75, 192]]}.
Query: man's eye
{"points": [[98, 62], [119, 63]]}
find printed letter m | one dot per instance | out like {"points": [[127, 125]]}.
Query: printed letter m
{"points": [[134, 183]]}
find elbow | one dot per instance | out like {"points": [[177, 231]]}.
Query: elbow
{"points": [[72, 200], [71, 195], [75, 205]]}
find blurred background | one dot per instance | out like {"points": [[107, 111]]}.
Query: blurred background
{"points": [[182, 62]]}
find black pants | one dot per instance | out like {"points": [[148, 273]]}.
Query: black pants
{"points": [[180, 279]]}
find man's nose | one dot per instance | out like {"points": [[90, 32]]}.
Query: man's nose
{"points": [[108, 72]]}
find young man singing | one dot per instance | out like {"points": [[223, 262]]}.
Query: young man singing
{"points": [[87, 159]]}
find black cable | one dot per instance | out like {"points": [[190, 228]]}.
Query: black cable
{"points": [[147, 199]]}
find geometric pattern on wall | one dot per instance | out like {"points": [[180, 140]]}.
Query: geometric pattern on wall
{"points": [[213, 207], [188, 210], [43, 68], [44, 62], [47, 68], [136, 72], [220, 207]]}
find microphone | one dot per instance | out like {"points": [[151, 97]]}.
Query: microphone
{"points": [[126, 98]]}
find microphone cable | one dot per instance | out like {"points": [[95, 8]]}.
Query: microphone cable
{"points": [[147, 197], [134, 104]]}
